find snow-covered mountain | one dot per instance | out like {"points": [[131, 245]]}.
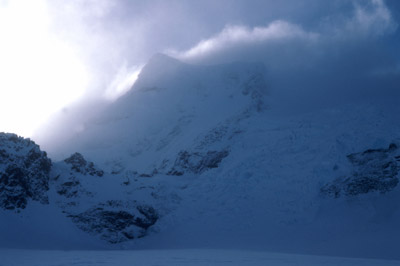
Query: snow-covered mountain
{"points": [[198, 156]]}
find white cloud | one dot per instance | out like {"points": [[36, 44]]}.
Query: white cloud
{"points": [[240, 35], [314, 64], [371, 19], [374, 19]]}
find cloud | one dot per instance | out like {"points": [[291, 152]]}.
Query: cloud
{"points": [[241, 35], [373, 19], [336, 60], [111, 35], [316, 53], [367, 21]]}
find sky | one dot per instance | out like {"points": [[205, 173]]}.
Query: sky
{"points": [[63, 58]]}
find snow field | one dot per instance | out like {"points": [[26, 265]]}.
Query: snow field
{"points": [[188, 257]]}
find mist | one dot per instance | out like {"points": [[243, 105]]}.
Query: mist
{"points": [[316, 53]]}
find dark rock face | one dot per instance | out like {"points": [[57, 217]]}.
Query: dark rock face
{"points": [[80, 165], [115, 221], [24, 172], [197, 162], [374, 170], [25, 177], [69, 189]]}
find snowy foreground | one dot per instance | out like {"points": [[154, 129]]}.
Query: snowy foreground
{"points": [[173, 257]]}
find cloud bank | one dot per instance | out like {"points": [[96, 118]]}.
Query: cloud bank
{"points": [[232, 36], [366, 24], [342, 58], [316, 53], [114, 36]]}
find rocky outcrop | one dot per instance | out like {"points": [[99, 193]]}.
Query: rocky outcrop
{"points": [[81, 199], [80, 165], [196, 162], [373, 170], [69, 189], [24, 172], [116, 221]]}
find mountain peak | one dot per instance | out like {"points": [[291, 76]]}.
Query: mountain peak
{"points": [[158, 67], [160, 58]]}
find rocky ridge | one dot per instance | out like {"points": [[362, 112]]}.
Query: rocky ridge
{"points": [[374, 170], [24, 172], [25, 175], [116, 221]]}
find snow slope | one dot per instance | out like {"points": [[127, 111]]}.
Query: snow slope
{"points": [[175, 257], [225, 167], [167, 106]]}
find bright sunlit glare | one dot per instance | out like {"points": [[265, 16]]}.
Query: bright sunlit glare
{"points": [[39, 74], [123, 82]]}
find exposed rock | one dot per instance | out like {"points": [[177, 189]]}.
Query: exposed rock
{"points": [[69, 189], [197, 162], [116, 221], [24, 172], [80, 165], [214, 136], [153, 173], [374, 170], [72, 193]]}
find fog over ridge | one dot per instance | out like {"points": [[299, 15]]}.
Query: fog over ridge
{"points": [[316, 54]]}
